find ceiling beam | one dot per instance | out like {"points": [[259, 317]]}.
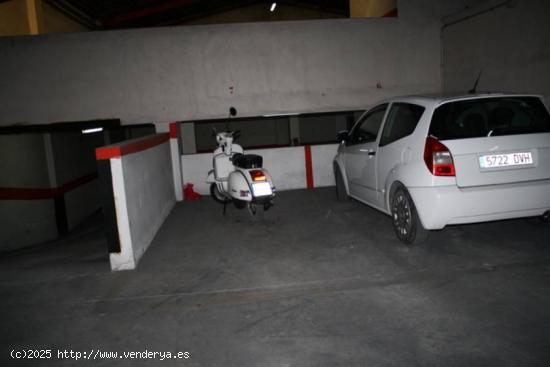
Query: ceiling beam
{"points": [[73, 13]]}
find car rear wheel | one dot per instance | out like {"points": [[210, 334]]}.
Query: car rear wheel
{"points": [[406, 223], [341, 194]]}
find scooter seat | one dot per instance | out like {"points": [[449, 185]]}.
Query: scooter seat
{"points": [[247, 160]]}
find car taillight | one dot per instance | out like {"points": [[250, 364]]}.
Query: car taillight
{"points": [[257, 175], [438, 158]]}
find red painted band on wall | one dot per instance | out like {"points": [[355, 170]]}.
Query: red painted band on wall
{"points": [[309, 167], [15, 193], [130, 146], [173, 130]]}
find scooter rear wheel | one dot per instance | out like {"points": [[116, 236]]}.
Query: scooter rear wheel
{"points": [[256, 210], [216, 194]]}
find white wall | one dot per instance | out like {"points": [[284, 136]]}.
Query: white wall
{"points": [[144, 195], [286, 166], [510, 44], [185, 73], [321, 158]]}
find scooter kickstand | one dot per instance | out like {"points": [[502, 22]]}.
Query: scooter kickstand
{"points": [[224, 205]]}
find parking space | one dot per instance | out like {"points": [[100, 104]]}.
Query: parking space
{"points": [[315, 283]]}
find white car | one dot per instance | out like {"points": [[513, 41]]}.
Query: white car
{"points": [[431, 161]]}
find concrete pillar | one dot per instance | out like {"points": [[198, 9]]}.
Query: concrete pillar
{"points": [[176, 159], [294, 125], [33, 16], [50, 161], [106, 137]]}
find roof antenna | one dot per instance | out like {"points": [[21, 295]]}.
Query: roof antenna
{"points": [[474, 89]]}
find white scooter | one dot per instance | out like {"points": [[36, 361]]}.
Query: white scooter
{"points": [[239, 177]]}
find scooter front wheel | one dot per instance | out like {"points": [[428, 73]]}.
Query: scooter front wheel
{"points": [[216, 194]]}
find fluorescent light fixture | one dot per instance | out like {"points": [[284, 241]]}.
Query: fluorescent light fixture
{"points": [[273, 6], [93, 130]]}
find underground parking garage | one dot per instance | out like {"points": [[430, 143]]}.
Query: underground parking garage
{"points": [[122, 123]]}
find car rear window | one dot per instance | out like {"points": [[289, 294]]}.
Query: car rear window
{"points": [[490, 117], [401, 121]]}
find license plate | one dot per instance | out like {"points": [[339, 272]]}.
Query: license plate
{"points": [[261, 189], [505, 160]]}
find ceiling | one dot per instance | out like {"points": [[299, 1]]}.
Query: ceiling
{"points": [[116, 14]]}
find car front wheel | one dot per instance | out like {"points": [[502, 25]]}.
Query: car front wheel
{"points": [[406, 222]]}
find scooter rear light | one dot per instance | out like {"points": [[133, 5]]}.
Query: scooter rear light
{"points": [[258, 176], [438, 158]]}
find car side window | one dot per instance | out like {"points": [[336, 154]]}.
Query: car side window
{"points": [[401, 122], [366, 129]]}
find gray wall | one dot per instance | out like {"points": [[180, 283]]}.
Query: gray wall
{"points": [[23, 165], [185, 73], [74, 157], [510, 44], [74, 154], [321, 128]]}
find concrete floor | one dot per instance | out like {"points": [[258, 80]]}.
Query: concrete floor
{"points": [[316, 283]]}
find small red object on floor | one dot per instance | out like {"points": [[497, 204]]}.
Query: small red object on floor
{"points": [[189, 194]]}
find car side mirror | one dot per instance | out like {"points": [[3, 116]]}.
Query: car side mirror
{"points": [[342, 136]]}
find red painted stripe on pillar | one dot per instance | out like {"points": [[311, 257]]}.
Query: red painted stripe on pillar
{"points": [[309, 167], [173, 130]]}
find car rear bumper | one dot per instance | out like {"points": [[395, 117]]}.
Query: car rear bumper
{"points": [[444, 205]]}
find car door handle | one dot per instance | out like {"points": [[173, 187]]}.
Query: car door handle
{"points": [[370, 152]]}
